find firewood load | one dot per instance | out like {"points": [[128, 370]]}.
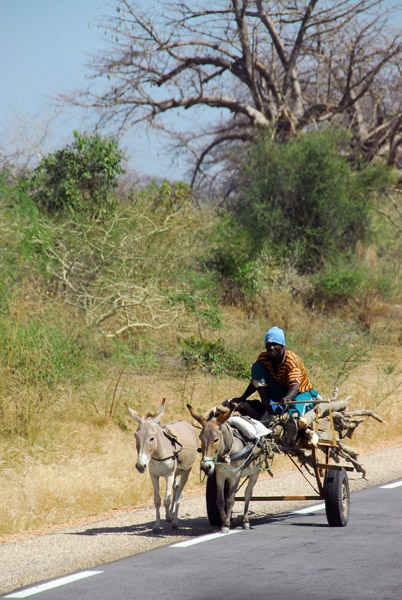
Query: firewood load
{"points": [[329, 423]]}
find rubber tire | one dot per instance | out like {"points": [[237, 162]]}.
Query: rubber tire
{"points": [[214, 517], [337, 497]]}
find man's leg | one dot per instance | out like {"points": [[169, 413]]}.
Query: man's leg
{"points": [[264, 394], [252, 408]]}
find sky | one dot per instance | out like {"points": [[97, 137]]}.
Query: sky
{"points": [[44, 47]]}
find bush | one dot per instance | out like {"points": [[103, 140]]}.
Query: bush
{"points": [[303, 198], [20, 227], [78, 177], [212, 357], [338, 280], [239, 273]]}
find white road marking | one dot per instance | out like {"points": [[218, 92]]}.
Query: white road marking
{"points": [[309, 509], [203, 538], [389, 486], [37, 589]]}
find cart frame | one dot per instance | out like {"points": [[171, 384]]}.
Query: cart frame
{"points": [[332, 480]]}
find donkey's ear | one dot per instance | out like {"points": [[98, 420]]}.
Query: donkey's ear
{"points": [[199, 418], [159, 412], [223, 417], [133, 413]]}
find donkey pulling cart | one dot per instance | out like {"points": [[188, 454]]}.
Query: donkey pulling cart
{"points": [[234, 454]]}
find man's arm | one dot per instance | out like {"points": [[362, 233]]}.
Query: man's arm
{"points": [[250, 390], [291, 393]]}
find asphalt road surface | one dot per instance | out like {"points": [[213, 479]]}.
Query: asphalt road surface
{"points": [[291, 556]]}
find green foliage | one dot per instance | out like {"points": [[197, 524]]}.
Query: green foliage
{"points": [[20, 227], [338, 280], [196, 292], [348, 278], [239, 272], [41, 351], [211, 356], [168, 196], [133, 269], [303, 198], [80, 177]]}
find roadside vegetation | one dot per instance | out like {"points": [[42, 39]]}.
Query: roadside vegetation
{"points": [[112, 294]]}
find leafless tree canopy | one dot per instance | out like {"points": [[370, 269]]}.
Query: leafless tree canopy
{"points": [[282, 66]]}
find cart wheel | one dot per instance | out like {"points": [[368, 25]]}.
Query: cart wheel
{"points": [[214, 517], [337, 497]]}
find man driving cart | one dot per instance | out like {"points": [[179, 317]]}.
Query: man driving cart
{"points": [[280, 377]]}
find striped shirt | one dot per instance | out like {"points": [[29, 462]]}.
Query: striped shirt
{"points": [[291, 370]]}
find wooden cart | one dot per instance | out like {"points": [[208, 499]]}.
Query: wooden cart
{"points": [[331, 477]]}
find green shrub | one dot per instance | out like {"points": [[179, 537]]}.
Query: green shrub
{"points": [[37, 349], [338, 280], [239, 272], [212, 357], [20, 228], [81, 176], [303, 198]]}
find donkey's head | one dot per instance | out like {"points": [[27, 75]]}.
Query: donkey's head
{"points": [[146, 436], [210, 437]]}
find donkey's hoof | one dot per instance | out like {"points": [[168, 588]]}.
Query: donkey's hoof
{"points": [[156, 529], [175, 526], [225, 529], [246, 525]]}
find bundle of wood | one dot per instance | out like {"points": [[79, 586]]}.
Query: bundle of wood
{"points": [[330, 422]]}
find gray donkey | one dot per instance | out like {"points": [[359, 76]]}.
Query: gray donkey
{"points": [[170, 452]]}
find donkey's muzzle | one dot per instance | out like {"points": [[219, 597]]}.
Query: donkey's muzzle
{"points": [[141, 467], [208, 465]]}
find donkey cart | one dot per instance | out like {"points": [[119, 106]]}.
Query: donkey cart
{"points": [[319, 449]]}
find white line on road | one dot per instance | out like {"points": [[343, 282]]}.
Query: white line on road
{"points": [[203, 538], [308, 509], [37, 589], [389, 486]]}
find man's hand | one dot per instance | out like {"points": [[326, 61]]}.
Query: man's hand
{"points": [[237, 400], [231, 404]]}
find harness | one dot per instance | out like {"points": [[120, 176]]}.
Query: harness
{"points": [[247, 450], [173, 440]]}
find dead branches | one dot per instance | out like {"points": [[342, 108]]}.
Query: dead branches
{"points": [[332, 423]]}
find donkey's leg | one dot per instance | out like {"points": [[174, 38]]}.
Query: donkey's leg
{"points": [[247, 495], [157, 502], [167, 501], [229, 503], [179, 484]]}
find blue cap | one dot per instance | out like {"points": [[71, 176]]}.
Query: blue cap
{"points": [[275, 335]]}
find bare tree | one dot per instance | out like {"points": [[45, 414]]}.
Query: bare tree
{"points": [[279, 66], [27, 139]]}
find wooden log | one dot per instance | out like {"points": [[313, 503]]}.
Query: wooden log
{"points": [[365, 413], [321, 410], [315, 437]]}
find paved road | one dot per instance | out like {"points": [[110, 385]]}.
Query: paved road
{"points": [[293, 556]]}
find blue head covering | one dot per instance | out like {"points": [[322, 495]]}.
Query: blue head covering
{"points": [[275, 335]]}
